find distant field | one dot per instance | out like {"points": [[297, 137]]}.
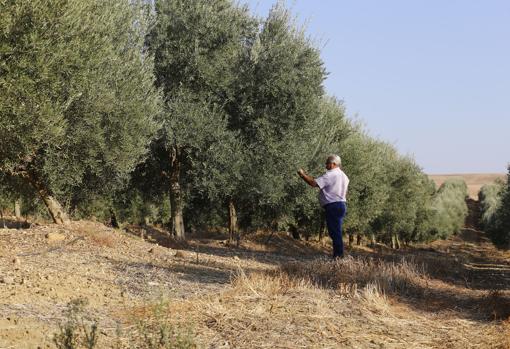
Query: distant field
{"points": [[474, 181]]}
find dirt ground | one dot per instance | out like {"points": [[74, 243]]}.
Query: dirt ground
{"points": [[245, 297]]}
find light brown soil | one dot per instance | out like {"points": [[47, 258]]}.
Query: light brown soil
{"points": [[241, 297], [474, 181]]}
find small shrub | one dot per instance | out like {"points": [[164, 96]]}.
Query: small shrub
{"points": [[97, 235], [103, 240], [76, 332], [154, 330]]}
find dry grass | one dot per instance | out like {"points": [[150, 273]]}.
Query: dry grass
{"points": [[410, 298], [325, 304], [96, 234], [371, 301], [389, 277], [497, 305], [103, 240], [505, 333]]}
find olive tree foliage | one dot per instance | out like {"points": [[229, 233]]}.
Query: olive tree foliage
{"points": [[420, 193], [490, 196], [496, 212], [245, 108], [416, 212], [274, 112], [77, 96], [363, 160], [449, 208], [18, 199], [405, 199], [7, 198], [197, 46], [424, 230], [323, 133]]}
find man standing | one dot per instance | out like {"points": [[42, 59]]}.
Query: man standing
{"points": [[332, 197]]}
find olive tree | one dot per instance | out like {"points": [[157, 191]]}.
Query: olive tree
{"points": [[499, 230], [490, 196], [274, 111], [450, 208], [399, 213], [197, 46], [77, 95], [324, 134], [364, 161]]}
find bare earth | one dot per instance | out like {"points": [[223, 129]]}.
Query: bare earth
{"points": [[474, 181], [286, 294]]}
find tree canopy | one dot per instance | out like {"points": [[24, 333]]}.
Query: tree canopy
{"points": [[78, 99]]}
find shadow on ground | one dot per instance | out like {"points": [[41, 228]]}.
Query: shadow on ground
{"points": [[465, 273], [187, 276], [262, 247], [467, 260], [13, 223]]}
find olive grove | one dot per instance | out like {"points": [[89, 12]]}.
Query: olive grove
{"points": [[192, 115]]}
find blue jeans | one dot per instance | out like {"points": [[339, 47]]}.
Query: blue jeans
{"points": [[335, 213]]}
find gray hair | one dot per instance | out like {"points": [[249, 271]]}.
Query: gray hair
{"points": [[334, 159]]}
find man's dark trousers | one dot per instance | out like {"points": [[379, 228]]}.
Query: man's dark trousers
{"points": [[335, 213]]}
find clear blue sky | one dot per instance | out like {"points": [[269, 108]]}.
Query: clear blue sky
{"points": [[432, 77]]}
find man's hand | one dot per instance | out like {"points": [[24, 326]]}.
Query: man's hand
{"points": [[308, 179]]}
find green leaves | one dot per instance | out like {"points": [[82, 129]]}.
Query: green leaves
{"points": [[449, 209], [495, 202], [78, 99]]}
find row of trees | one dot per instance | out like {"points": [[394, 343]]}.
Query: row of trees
{"points": [[192, 114], [495, 208]]}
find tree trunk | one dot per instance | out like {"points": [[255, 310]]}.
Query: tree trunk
{"points": [[351, 239], [57, 213], [2, 218], [395, 242], [232, 222], [359, 238], [294, 232], [322, 228], [175, 195], [372, 240], [17, 209], [56, 210], [113, 219]]}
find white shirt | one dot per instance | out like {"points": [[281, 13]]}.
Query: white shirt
{"points": [[333, 185]]}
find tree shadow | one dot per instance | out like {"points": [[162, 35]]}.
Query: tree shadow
{"points": [[484, 306], [469, 260], [182, 276], [280, 247], [400, 281], [480, 306], [157, 235], [13, 223], [460, 275]]}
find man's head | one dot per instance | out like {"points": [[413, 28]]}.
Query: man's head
{"points": [[333, 161]]}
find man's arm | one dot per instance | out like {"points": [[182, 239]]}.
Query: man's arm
{"points": [[308, 179]]}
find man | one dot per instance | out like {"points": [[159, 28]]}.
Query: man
{"points": [[332, 197]]}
